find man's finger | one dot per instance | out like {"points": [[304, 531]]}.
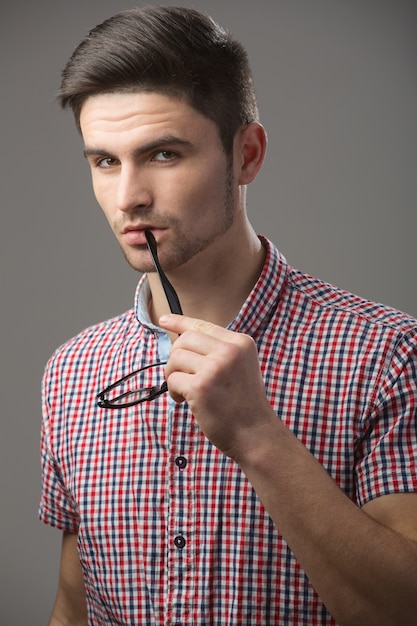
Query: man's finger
{"points": [[179, 324]]}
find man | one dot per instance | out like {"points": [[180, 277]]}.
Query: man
{"points": [[275, 483]]}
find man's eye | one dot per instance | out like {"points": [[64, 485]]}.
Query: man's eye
{"points": [[106, 163], [165, 155]]}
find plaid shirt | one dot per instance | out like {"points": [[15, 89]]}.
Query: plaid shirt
{"points": [[170, 531]]}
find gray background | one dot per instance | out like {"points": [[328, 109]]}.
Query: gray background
{"points": [[338, 95]]}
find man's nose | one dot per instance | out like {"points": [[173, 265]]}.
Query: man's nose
{"points": [[133, 190]]}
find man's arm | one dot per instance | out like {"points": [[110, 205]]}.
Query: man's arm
{"points": [[70, 605], [362, 562]]}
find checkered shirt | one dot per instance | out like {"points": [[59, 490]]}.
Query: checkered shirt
{"points": [[170, 531]]}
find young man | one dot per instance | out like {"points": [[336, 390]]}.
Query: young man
{"points": [[275, 482]]}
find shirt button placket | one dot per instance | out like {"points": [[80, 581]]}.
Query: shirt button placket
{"points": [[180, 584], [181, 463]]}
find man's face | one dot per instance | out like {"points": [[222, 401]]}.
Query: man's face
{"points": [[158, 164]]}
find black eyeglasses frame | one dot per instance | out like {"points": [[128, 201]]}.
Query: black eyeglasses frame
{"points": [[175, 307]]}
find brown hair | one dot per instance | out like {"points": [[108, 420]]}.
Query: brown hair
{"points": [[172, 50]]}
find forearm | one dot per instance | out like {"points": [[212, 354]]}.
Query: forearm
{"points": [[364, 572]]}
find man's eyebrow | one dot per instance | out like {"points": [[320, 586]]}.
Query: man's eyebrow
{"points": [[92, 152], [157, 144]]}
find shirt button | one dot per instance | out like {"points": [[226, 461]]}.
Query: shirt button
{"points": [[181, 462], [179, 542]]}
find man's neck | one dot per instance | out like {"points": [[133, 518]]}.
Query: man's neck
{"points": [[215, 290]]}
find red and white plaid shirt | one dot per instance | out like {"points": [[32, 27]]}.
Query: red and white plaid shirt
{"points": [[170, 531]]}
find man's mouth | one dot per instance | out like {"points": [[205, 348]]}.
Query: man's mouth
{"points": [[134, 235]]}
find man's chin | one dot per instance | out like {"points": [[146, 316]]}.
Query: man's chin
{"points": [[139, 259]]}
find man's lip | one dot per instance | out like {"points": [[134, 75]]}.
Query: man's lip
{"points": [[135, 235], [132, 227]]}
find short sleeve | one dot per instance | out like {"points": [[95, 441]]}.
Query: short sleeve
{"points": [[387, 459], [56, 507]]}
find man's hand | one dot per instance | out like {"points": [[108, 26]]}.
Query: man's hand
{"points": [[217, 372]]}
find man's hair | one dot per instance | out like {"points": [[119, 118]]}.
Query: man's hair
{"points": [[171, 50]]}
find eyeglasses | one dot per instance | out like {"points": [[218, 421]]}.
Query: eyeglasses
{"points": [[147, 382]]}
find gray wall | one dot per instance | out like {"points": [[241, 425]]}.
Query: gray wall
{"points": [[338, 95]]}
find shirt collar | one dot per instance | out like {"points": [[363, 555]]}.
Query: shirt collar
{"points": [[255, 310], [142, 299], [262, 300]]}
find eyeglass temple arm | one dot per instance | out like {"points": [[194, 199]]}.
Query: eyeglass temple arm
{"points": [[171, 294]]}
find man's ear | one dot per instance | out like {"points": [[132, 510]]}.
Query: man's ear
{"points": [[250, 149]]}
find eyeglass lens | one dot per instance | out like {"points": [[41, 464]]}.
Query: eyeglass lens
{"points": [[142, 385]]}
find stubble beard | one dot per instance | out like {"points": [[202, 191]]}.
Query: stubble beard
{"points": [[188, 247]]}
